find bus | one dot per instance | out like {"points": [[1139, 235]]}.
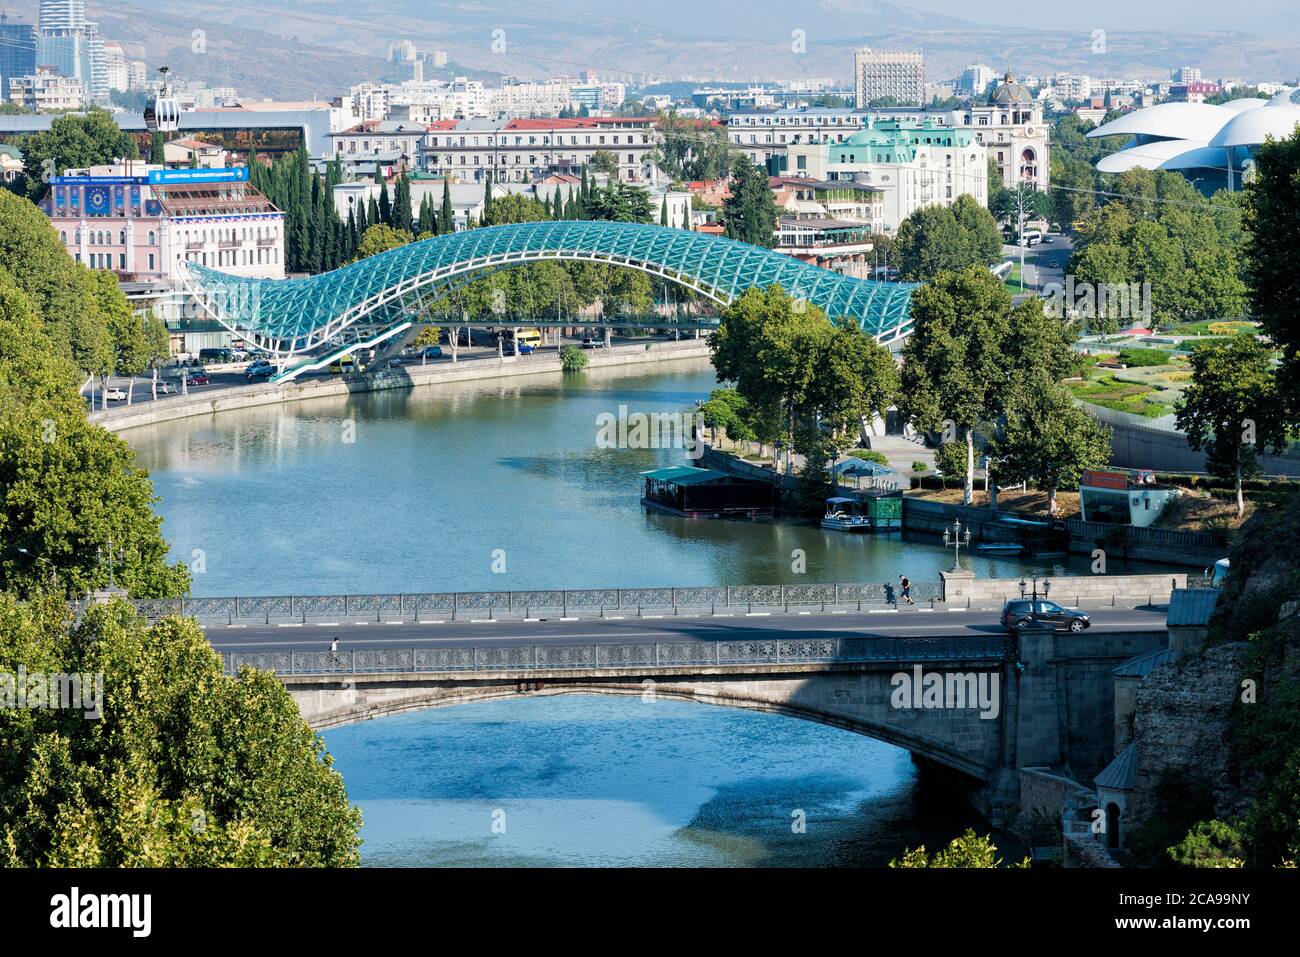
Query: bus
{"points": [[342, 364]]}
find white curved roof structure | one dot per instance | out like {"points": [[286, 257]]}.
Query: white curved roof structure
{"points": [[1184, 136], [1158, 154], [1170, 121], [1255, 126]]}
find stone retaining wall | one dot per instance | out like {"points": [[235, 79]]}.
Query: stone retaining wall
{"points": [[125, 417]]}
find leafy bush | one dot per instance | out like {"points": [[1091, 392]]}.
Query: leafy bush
{"points": [[1145, 357], [572, 359]]}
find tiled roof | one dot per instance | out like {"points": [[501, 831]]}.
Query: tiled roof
{"points": [[1191, 606], [1120, 774]]}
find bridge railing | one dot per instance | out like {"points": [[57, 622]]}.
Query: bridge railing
{"points": [[586, 602], [623, 656]]}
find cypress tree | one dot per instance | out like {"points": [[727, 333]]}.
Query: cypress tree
{"points": [[487, 199], [557, 205], [372, 213], [584, 195], [350, 240], [385, 204], [446, 218], [402, 204], [663, 212]]}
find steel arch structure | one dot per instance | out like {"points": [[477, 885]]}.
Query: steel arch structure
{"points": [[295, 316]]}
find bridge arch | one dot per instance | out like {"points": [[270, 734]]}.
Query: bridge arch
{"points": [[294, 316], [334, 705]]}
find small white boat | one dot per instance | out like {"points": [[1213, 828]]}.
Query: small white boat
{"points": [[845, 515]]}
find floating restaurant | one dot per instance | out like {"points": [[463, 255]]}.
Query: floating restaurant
{"points": [[705, 493]]}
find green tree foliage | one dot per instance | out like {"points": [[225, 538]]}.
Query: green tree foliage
{"points": [[605, 162], [185, 767], [804, 381], [954, 373], [572, 359], [1272, 218], [514, 208], [315, 238], [938, 238], [1160, 233], [73, 141], [689, 151], [969, 850], [1049, 441], [380, 239], [1232, 409], [620, 203], [749, 213]]}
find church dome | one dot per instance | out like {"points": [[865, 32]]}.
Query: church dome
{"points": [[1009, 93]]}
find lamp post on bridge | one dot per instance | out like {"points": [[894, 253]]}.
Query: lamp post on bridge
{"points": [[956, 536]]}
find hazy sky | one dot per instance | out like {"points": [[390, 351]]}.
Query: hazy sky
{"points": [[1264, 17]]}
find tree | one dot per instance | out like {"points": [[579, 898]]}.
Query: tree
{"points": [[969, 850], [74, 140], [605, 162], [938, 238], [1272, 220], [182, 767], [385, 203], [621, 203], [446, 217], [572, 359], [1232, 409], [749, 213], [513, 208], [380, 239], [954, 374], [1050, 441]]}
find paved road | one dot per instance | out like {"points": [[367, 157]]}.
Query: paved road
{"points": [[224, 380], [1045, 263], [874, 624]]}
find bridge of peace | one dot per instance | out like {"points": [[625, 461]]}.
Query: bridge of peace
{"points": [[373, 300], [837, 654]]}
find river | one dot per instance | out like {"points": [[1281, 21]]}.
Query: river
{"points": [[499, 485]]}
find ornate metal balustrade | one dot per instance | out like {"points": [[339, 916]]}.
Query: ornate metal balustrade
{"points": [[625, 656], [587, 602]]}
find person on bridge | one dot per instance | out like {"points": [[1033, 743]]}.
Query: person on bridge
{"points": [[334, 651], [905, 588]]}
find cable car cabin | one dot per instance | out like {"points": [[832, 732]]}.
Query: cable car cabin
{"points": [[704, 493], [162, 114]]}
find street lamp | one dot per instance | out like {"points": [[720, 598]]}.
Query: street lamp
{"points": [[54, 571], [1047, 587], [956, 536]]}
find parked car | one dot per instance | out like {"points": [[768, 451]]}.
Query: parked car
{"points": [[115, 394], [198, 378], [1021, 611]]}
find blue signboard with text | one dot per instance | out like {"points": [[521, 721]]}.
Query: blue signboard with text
{"points": [[177, 177]]}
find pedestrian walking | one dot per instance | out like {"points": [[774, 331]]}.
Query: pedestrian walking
{"points": [[905, 588], [334, 652]]}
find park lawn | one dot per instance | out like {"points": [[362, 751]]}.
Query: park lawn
{"points": [[1110, 393], [1012, 282]]}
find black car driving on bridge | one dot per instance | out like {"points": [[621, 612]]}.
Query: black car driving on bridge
{"points": [[1021, 611]]}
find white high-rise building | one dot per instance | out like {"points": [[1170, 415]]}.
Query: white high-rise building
{"points": [[62, 15], [137, 75], [115, 67], [889, 74], [975, 79]]}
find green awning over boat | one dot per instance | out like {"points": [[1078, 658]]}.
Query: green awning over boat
{"points": [[685, 475]]}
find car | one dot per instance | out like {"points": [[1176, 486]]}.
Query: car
{"points": [[432, 352], [256, 373], [526, 349], [114, 394], [393, 364], [590, 343], [198, 378], [166, 388], [1021, 611]]}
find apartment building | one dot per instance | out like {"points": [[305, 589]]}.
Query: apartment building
{"points": [[520, 150], [894, 74]]}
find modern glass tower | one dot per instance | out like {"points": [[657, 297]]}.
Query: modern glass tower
{"points": [[17, 52]]}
